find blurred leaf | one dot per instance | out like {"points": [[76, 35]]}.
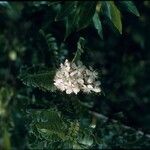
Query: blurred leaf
{"points": [[86, 140], [85, 15], [97, 24], [118, 115], [81, 17], [130, 7], [110, 10], [6, 140], [49, 3], [14, 10], [70, 26], [6, 94], [4, 3], [115, 16], [79, 51], [52, 2], [66, 9]]}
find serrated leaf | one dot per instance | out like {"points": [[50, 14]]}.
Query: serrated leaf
{"points": [[38, 77], [50, 123], [49, 118], [130, 7], [97, 24]]}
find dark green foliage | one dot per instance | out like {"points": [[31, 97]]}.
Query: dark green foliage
{"points": [[80, 47], [79, 15], [40, 36], [6, 95], [51, 128], [38, 76], [97, 24], [115, 16], [130, 7]]}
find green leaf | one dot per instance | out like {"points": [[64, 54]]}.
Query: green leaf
{"points": [[66, 9], [110, 10], [97, 24], [70, 26], [38, 76], [105, 9], [80, 18], [4, 4], [14, 10], [87, 140], [6, 140], [86, 137], [51, 121], [130, 7], [115, 16], [79, 51], [6, 94], [48, 125], [52, 2], [85, 15]]}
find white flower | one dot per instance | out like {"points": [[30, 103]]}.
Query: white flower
{"points": [[68, 90], [73, 73], [90, 80], [76, 90], [80, 81], [87, 89], [97, 89], [74, 78]]}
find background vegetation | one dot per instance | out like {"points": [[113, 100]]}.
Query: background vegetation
{"points": [[36, 36]]}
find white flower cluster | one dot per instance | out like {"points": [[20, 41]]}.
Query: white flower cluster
{"points": [[73, 78]]}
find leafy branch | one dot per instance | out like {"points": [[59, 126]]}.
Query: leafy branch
{"points": [[79, 15]]}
